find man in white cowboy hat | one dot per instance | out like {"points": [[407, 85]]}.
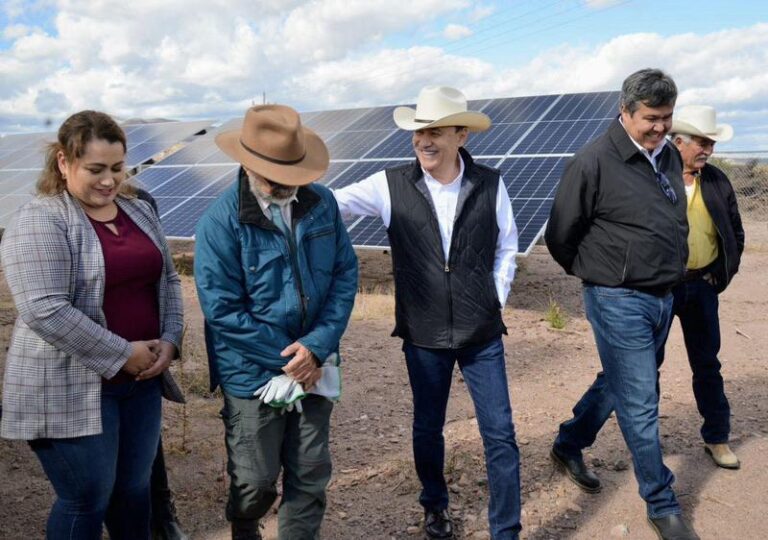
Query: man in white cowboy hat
{"points": [[453, 241], [715, 244], [276, 278]]}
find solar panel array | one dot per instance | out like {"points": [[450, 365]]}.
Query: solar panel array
{"points": [[22, 156], [529, 141]]}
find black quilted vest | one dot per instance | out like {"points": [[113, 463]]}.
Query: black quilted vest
{"points": [[439, 305]]}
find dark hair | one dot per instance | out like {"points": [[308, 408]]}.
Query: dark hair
{"points": [[651, 87], [73, 137]]}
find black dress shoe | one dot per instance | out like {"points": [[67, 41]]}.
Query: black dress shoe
{"points": [[438, 524], [672, 527], [245, 529], [168, 530], [577, 471]]}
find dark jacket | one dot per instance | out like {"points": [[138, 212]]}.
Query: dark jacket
{"points": [[612, 225], [439, 305], [720, 200], [254, 300]]}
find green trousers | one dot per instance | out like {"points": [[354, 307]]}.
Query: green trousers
{"points": [[260, 441]]}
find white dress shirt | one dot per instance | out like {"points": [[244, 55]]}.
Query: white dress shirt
{"points": [[370, 197]]}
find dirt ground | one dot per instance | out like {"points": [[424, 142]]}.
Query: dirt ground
{"points": [[373, 494]]}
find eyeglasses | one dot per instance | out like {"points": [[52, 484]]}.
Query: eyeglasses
{"points": [[666, 187]]}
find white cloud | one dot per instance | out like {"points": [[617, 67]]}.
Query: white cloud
{"points": [[456, 31], [481, 12], [600, 4], [388, 76], [210, 58], [15, 31]]}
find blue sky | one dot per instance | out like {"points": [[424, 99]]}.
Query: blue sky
{"points": [[212, 58]]}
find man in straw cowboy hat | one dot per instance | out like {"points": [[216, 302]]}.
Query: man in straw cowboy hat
{"points": [[276, 277], [453, 241], [715, 244], [618, 222]]}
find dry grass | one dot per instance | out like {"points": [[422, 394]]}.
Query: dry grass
{"points": [[555, 315], [374, 304]]}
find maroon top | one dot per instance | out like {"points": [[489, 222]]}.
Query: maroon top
{"points": [[132, 266]]}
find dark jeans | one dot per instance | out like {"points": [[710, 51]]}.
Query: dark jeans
{"points": [[696, 305], [105, 478], [630, 329], [483, 366], [260, 441]]}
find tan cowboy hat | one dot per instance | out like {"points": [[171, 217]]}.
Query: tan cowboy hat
{"points": [[699, 120], [440, 106], [274, 144]]}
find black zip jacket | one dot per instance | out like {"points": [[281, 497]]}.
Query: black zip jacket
{"points": [[612, 225], [720, 200]]}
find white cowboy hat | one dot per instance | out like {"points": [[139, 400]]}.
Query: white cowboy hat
{"points": [[274, 144], [699, 120], [440, 106]]}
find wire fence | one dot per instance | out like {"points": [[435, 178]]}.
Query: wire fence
{"points": [[748, 172]]}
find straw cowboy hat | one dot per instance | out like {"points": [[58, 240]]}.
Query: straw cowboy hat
{"points": [[699, 120], [440, 106], [274, 144]]}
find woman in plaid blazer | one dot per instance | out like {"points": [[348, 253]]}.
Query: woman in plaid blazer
{"points": [[100, 319]]}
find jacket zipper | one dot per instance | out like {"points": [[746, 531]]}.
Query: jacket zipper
{"points": [[626, 264], [446, 269], [721, 247]]}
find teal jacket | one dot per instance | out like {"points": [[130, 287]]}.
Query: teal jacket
{"points": [[254, 301]]}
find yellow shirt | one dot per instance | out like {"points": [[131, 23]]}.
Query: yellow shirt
{"points": [[702, 235]]}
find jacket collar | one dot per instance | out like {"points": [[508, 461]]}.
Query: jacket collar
{"points": [[623, 143], [250, 211]]}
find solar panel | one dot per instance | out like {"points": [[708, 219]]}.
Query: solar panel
{"points": [[22, 156], [529, 141], [148, 140]]}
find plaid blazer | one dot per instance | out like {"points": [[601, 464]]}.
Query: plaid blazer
{"points": [[60, 347]]}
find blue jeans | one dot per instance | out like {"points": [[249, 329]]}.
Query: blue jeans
{"points": [[630, 329], [696, 305], [105, 478], [483, 366]]}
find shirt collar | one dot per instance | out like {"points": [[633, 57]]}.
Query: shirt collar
{"points": [[264, 203], [650, 155], [428, 177]]}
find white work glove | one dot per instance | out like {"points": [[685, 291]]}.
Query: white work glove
{"points": [[281, 391], [329, 384]]}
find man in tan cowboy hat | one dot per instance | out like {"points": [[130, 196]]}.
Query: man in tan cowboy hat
{"points": [[453, 241], [276, 277], [715, 244]]}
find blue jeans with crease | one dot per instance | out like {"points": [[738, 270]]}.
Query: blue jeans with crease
{"points": [[630, 330], [483, 367], [105, 478]]}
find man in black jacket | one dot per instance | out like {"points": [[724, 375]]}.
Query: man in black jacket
{"points": [[618, 222], [715, 244]]}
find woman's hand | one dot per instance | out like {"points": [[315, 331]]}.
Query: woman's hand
{"points": [[165, 352], [143, 356]]}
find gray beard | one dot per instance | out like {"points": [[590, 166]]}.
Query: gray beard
{"points": [[280, 194]]}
